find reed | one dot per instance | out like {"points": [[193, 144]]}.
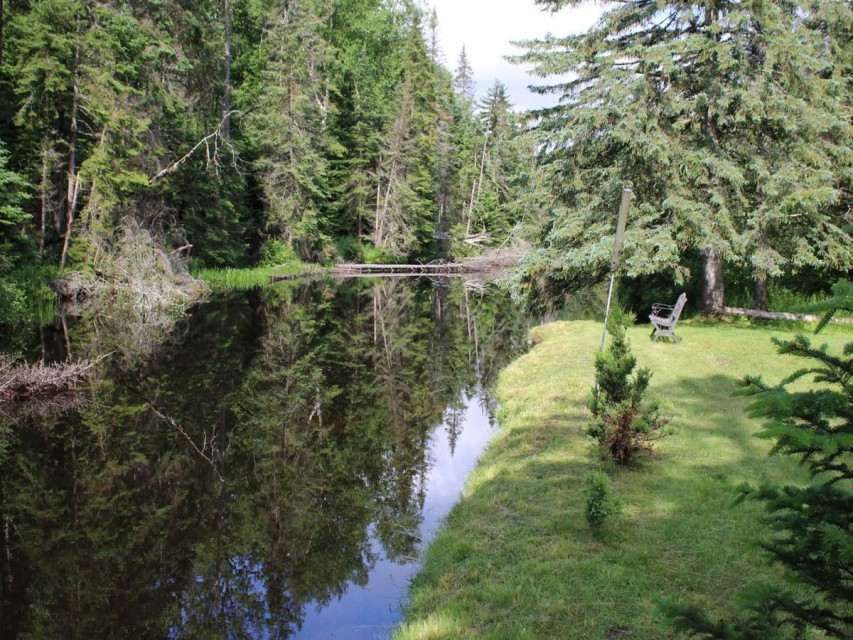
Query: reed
{"points": [[245, 279]]}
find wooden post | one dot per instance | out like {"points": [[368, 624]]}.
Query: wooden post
{"points": [[617, 250]]}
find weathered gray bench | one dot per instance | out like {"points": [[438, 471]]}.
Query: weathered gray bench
{"points": [[664, 317]]}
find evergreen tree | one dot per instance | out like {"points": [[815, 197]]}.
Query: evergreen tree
{"points": [[623, 421], [13, 219], [288, 123], [463, 81], [404, 221], [727, 118], [368, 42]]}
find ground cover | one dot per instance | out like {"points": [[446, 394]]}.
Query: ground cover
{"points": [[516, 558], [239, 279]]}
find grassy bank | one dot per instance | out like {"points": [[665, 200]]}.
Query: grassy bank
{"points": [[516, 558]]}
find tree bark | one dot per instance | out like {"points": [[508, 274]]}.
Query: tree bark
{"points": [[226, 90], [73, 186], [44, 192], [759, 290], [713, 287]]}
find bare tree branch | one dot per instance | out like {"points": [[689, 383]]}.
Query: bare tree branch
{"points": [[212, 139], [200, 451]]}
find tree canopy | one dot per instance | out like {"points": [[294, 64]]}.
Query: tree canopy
{"points": [[730, 120]]}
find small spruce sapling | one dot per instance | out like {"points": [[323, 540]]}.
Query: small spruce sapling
{"points": [[623, 421], [600, 502]]}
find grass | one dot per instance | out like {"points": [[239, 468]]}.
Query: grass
{"points": [[516, 558], [242, 279]]}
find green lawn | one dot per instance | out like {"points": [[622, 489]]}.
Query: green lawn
{"points": [[517, 559]]}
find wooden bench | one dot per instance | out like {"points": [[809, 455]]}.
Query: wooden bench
{"points": [[664, 317]]}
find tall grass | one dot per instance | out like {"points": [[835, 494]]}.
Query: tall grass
{"points": [[245, 279]]}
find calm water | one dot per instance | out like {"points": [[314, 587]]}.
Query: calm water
{"points": [[271, 466]]}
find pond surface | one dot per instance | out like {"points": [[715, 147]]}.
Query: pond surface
{"points": [[270, 466]]}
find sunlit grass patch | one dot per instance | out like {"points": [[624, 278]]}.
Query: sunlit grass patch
{"points": [[242, 279], [517, 558]]}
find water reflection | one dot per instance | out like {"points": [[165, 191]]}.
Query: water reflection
{"points": [[272, 471]]}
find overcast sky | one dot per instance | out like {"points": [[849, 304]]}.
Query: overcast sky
{"points": [[486, 28]]}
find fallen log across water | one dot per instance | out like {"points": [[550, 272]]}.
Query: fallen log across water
{"points": [[777, 315], [347, 269]]}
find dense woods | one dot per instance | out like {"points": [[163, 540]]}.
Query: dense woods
{"points": [[244, 132], [248, 131]]}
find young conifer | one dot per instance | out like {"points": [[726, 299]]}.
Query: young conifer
{"points": [[623, 420]]}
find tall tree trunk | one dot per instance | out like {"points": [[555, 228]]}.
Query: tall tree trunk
{"points": [[45, 191], [226, 89], [1, 38], [759, 290], [713, 288], [73, 186]]}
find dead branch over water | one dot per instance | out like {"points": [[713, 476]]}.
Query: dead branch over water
{"points": [[490, 262]]}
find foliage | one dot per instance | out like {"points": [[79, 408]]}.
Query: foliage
{"points": [[600, 501], [728, 120], [238, 126], [812, 523], [623, 421], [13, 219], [275, 253], [27, 302]]}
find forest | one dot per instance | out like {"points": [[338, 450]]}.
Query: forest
{"points": [[247, 132], [252, 132], [237, 466]]}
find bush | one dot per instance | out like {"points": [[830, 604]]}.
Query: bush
{"points": [[623, 421], [600, 502], [275, 252]]}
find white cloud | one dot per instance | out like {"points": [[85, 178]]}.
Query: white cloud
{"points": [[487, 28]]}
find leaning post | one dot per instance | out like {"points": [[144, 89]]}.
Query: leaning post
{"points": [[617, 250]]}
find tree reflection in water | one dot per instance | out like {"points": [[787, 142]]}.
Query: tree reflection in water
{"points": [[314, 404]]}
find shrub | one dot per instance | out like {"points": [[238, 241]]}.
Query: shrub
{"points": [[275, 252], [600, 502], [623, 421]]}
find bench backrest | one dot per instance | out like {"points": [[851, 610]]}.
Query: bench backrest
{"points": [[682, 300]]}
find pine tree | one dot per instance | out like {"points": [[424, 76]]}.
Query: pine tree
{"points": [[288, 124], [368, 44], [728, 120], [623, 421], [463, 80], [405, 215], [14, 243]]}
